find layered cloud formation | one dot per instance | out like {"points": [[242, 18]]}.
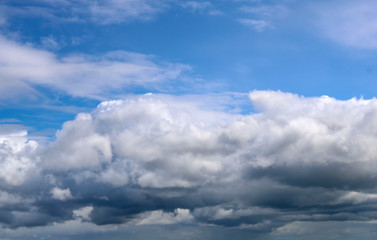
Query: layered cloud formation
{"points": [[158, 159]]}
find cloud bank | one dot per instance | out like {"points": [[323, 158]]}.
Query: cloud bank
{"points": [[159, 159]]}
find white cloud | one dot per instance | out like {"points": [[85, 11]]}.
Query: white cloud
{"points": [[265, 10], [115, 175], [61, 194], [115, 11], [98, 11], [161, 218], [262, 17], [150, 152], [324, 229], [83, 213], [160, 142], [78, 146], [220, 213], [256, 24], [157, 143], [7, 198], [22, 66], [50, 43], [70, 228], [201, 7], [17, 157], [357, 197], [196, 5]]}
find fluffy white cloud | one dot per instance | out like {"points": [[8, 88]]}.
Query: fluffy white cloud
{"points": [[17, 158], [83, 213], [138, 159], [61, 194], [78, 146], [157, 143]]}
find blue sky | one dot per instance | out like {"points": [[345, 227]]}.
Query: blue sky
{"points": [[222, 46], [188, 119]]}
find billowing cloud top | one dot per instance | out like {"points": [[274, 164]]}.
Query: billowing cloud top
{"points": [[163, 159]]}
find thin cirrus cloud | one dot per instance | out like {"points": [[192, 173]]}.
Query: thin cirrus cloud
{"points": [[262, 17], [201, 6], [116, 11], [349, 24], [98, 11], [23, 67], [159, 159], [256, 24], [196, 5]]}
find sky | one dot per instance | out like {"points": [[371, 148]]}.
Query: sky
{"points": [[172, 119]]}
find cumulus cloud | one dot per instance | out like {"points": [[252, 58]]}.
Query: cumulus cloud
{"points": [[61, 194], [22, 67], [163, 159], [83, 212], [16, 157]]}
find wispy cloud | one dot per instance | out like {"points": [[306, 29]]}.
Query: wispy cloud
{"points": [[116, 11], [265, 11], [23, 66], [349, 24], [262, 17], [196, 5], [98, 11], [258, 25], [50, 43], [201, 6]]}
